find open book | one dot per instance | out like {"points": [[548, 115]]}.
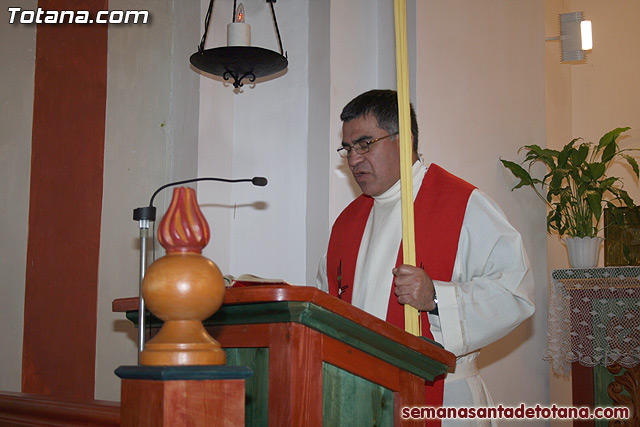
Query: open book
{"points": [[250, 280]]}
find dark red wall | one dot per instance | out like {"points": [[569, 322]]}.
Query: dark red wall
{"points": [[65, 205]]}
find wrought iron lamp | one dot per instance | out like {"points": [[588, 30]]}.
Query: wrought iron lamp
{"points": [[239, 60]]}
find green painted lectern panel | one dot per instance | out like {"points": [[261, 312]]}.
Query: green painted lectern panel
{"points": [[256, 386], [349, 400]]}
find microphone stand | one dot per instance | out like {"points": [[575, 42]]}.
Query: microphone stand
{"points": [[144, 215]]}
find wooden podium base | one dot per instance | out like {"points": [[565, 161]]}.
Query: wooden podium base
{"points": [[318, 360], [182, 395], [182, 342]]}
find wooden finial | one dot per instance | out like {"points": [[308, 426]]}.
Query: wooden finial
{"points": [[183, 228], [183, 288]]}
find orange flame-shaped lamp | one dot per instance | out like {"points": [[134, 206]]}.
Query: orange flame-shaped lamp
{"points": [[183, 288]]}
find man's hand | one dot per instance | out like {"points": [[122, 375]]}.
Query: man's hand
{"points": [[414, 287]]}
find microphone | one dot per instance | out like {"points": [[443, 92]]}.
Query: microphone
{"points": [[149, 212], [259, 181]]}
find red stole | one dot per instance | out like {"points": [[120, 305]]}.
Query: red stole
{"points": [[439, 211]]}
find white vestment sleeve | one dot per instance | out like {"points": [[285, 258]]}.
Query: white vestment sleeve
{"points": [[492, 287], [322, 280]]}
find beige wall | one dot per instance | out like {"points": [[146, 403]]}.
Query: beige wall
{"points": [[17, 48], [605, 92], [259, 130], [589, 98], [480, 97], [151, 138], [558, 114]]}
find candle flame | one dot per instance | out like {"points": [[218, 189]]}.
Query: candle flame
{"points": [[240, 13]]}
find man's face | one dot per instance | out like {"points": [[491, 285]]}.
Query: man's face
{"points": [[376, 171]]}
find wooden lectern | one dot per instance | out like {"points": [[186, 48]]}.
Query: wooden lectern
{"points": [[316, 359]]}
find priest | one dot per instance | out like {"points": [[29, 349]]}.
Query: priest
{"points": [[472, 282]]}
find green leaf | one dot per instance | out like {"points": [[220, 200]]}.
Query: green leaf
{"points": [[594, 199], [550, 215], [612, 147], [626, 199], [609, 152], [610, 136], [565, 196], [563, 157], [596, 170], [605, 141], [557, 179], [576, 182], [554, 222], [535, 154], [634, 164], [519, 172], [622, 195], [580, 155], [607, 183]]}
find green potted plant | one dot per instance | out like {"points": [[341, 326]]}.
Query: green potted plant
{"points": [[576, 188]]}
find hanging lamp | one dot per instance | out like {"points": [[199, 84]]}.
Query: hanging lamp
{"points": [[239, 60]]}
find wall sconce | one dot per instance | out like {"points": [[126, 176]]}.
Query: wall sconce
{"points": [[575, 36], [239, 60]]}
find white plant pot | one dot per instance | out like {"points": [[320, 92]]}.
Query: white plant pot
{"points": [[583, 251]]}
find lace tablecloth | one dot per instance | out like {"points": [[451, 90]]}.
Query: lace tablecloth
{"points": [[594, 318]]}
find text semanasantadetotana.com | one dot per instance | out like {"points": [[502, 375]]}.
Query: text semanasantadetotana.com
{"points": [[518, 412]]}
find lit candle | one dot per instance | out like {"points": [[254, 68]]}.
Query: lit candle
{"points": [[239, 33]]}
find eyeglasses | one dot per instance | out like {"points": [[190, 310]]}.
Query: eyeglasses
{"points": [[361, 147]]}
